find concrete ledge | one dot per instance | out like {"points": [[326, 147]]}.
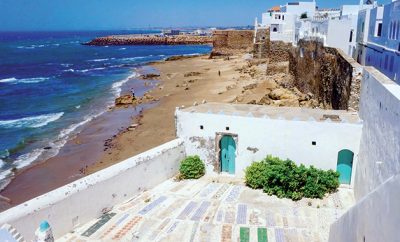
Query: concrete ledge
{"points": [[77, 203]]}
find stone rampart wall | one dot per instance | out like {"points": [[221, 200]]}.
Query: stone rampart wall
{"points": [[226, 42], [328, 73]]}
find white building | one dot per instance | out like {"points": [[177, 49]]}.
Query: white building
{"points": [[379, 39], [303, 20], [282, 19]]}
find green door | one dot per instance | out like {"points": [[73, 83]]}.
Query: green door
{"points": [[345, 166], [227, 155]]}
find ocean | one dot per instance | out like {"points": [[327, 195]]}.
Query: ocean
{"points": [[51, 85]]}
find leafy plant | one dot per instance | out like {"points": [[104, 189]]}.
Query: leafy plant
{"points": [[284, 178], [192, 168]]}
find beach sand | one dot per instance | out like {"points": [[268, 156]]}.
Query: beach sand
{"points": [[107, 140]]}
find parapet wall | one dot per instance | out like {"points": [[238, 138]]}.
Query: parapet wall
{"points": [[376, 188], [85, 199], [226, 42], [380, 141], [328, 73]]}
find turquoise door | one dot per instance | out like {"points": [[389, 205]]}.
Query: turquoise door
{"points": [[345, 166], [227, 155]]}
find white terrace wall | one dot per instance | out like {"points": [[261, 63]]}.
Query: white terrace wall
{"points": [[85, 199], [258, 137], [376, 215], [379, 157], [374, 218]]}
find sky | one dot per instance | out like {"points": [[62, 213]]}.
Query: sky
{"points": [[20, 15]]}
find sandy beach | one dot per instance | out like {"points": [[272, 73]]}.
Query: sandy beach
{"points": [[108, 139]]}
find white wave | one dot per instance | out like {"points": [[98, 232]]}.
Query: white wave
{"points": [[14, 80], [2, 163], [25, 47], [194, 54], [93, 69], [133, 58], [4, 174], [116, 86], [122, 48], [31, 122], [66, 65], [99, 60], [69, 70], [26, 159], [78, 107]]}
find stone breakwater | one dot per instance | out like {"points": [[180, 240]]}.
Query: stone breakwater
{"points": [[151, 40]]}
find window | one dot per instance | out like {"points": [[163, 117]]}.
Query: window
{"points": [[390, 30], [227, 128], [394, 31], [201, 127], [274, 29], [351, 36], [283, 17], [379, 33], [398, 30], [362, 27], [314, 143]]}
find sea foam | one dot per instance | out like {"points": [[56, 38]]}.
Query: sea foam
{"points": [[14, 80], [31, 122], [116, 86]]}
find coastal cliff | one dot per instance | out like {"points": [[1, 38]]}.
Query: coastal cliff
{"points": [[151, 40]]}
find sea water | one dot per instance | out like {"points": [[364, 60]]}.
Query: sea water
{"points": [[51, 85]]}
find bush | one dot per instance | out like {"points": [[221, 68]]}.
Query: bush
{"points": [[303, 16], [284, 178], [192, 168]]}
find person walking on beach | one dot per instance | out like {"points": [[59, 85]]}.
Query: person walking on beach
{"points": [[133, 93], [219, 73]]}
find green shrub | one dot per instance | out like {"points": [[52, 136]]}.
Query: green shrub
{"points": [[284, 178], [192, 168]]}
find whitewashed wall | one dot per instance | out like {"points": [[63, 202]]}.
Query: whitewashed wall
{"points": [[83, 200], [380, 142], [281, 138], [375, 218], [376, 215]]}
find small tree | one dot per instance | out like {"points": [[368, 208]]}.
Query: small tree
{"points": [[303, 15], [192, 168]]}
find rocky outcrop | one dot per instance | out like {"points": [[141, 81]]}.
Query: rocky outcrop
{"points": [[151, 40], [128, 99]]}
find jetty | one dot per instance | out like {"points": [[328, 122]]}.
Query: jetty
{"points": [[151, 40]]}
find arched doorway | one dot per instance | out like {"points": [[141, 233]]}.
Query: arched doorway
{"points": [[345, 166], [228, 154]]}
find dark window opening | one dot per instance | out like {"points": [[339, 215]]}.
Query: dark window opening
{"points": [[227, 128], [274, 29], [351, 36], [379, 34], [201, 127], [314, 143]]}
